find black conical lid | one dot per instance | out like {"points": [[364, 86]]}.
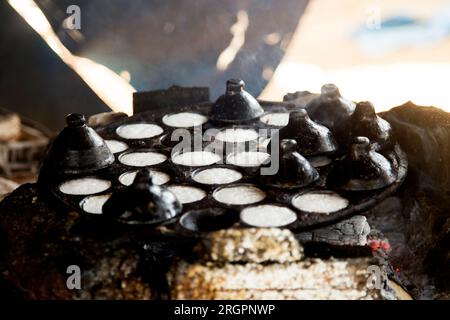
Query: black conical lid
{"points": [[236, 105], [78, 149], [142, 202], [312, 138], [330, 108], [364, 169], [365, 122], [294, 170]]}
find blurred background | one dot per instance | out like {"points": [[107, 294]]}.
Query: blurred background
{"points": [[384, 51], [89, 56], [148, 44]]}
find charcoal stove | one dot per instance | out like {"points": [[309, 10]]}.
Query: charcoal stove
{"points": [[208, 216]]}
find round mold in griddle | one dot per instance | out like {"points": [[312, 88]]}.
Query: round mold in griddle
{"points": [[184, 120], [275, 119], [159, 177], [183, 138], [235, 139], [142, 158], [250, 162], [195, 158], [116, 146], [236, 134], [242, 194], [320, 202], [216, 175], [271, 215], [134, 131], [248, 159], [84, 186], [94, 204], [208, 220], [187, 194]]}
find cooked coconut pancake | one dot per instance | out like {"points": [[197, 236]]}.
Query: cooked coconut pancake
{"points": [[320, 202], [196, 158], [187, 194], [184, 120], [158, 177], [116, 146], [268, 215], [94, 204], [84, 186], [248, 158], [235, 135], [217, 176], [139, 131], [320, 161], [239, 195], [279, 119], [142, 158]]}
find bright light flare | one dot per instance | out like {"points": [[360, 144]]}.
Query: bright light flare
{"points": [[385, 85], [115, 91]]}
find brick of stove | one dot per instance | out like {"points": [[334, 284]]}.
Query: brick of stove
{"points": [[252, 245], [331, 279], [269, 263]]}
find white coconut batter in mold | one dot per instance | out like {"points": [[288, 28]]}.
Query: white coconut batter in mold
{"points": [[196, 158], [84, 186], [142, 158], [235, 135], [217, 176], [239, 195], [187, 194], [320, 202], [94, 204], [280, 119], [116, 146], [248, 158], [184, 120], [268, 215], [139, 131], [158, 177]]}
